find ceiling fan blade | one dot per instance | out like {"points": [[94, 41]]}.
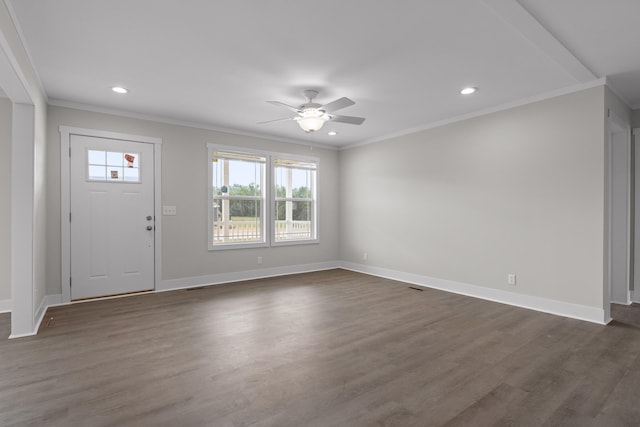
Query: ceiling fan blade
{"points": [[347, 119], [288, 107], [337, 105], [276, 120]]}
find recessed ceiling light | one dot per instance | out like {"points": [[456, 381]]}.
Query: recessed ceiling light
{"points": [[468, 90], [333, 133], [119, 89]]}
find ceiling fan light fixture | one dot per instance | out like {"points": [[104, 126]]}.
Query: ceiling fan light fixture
{"points": [[468, 90], [312, 120]]}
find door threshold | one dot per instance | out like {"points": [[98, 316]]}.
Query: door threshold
{"points": [[105, 297]]}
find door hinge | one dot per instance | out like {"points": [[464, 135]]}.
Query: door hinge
{"points": [[69, 216], [69, 151], [69, 281]]}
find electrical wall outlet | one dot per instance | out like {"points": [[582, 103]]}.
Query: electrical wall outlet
{"points": [[169, 210], [511, 279], [259, 260], [365, 256]]}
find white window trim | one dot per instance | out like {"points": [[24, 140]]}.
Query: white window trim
{"points": [[269, 228], [316, 214], [265, 212]]}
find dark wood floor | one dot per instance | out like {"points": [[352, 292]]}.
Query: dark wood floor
{"points": [[331, 348]]}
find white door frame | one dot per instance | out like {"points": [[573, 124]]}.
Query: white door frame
{"points": [[635, 293], [618, 132], [65, 199]]}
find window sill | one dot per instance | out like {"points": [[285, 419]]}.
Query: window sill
{"points": [[232, 246], [295, 242]]}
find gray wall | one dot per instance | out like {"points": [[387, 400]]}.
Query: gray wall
{"points": [[184, 184], [5, 202], [635, 120], [518, 191]]}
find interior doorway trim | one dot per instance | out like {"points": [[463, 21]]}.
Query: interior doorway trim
{"points": [[619, 240], [635, 284], [65, 199]]}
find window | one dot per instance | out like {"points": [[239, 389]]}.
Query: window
{"points": [[111, 166], [294, 201], [236, 199], [245, 211]]}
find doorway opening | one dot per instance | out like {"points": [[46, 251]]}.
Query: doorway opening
{"points": [[621, 213]]}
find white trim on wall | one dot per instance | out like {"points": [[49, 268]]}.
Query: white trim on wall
{"points": [[65, 198], [11, 74], [47, 302], [524, 23], [186, 123], [238, 276], [480, 113], [19, 32], [177, 284], [618, 133], [560, 308], [15, 84], [635, 199]]}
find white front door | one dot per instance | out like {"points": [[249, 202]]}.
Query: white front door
{"points": [[112, 217]]}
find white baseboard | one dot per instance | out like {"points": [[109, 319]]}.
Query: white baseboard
{"points": [[5, 306], [238, 276], [190, 282], [575, 311], [47, 301]]}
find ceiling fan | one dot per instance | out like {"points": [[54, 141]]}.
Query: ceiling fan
{"points": [[312, 116]]}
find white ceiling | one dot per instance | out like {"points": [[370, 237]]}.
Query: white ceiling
{"points": [[215, 63]]}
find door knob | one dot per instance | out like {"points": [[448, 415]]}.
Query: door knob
{"points": [[149, 217], [149, 227]]}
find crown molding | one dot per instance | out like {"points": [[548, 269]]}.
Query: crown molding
{"points": [[525, 24], [18, 28], [185, 123], [484, 112]]}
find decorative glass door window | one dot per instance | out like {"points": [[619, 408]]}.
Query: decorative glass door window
{"points": [[113, 166]]}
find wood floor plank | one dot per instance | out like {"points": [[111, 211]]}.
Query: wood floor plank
{"points": [[331, 348]]}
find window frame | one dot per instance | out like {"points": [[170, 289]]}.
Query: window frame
{"points": [[264, 212], [106, 166], [268, 205], [273, 199]]}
